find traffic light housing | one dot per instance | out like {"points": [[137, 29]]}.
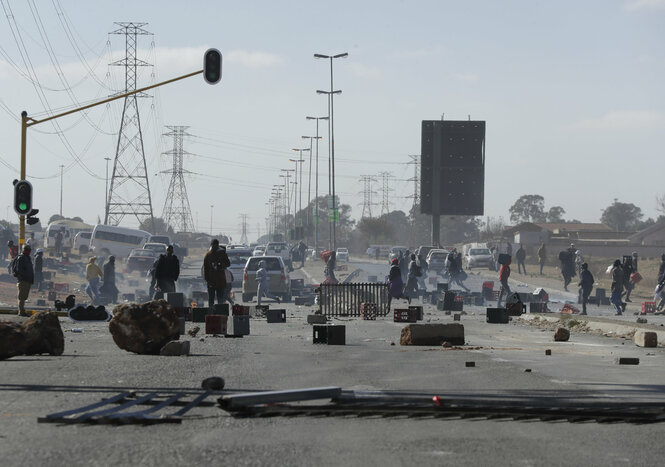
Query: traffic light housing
{"points": [[31, 219], [212, 66], [22, 197]]}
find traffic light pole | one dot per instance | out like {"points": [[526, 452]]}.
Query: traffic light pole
{"points": [[28, 122]]}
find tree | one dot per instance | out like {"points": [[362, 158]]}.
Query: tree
{"points": [[459, 229], [555, 214], [621, 216], [55, 217], [155, 226], [528, 208]]}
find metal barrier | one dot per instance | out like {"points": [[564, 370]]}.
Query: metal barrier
{"points": [[345, 299]]}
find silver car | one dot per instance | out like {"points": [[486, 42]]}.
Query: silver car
{"points": [[238, 258]]}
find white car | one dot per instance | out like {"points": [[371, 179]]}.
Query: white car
{"points": [[158, 248], [342, 254], [259, 250], [478, 257]]}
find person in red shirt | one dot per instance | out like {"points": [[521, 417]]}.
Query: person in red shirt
{"points": [[504, 274]]}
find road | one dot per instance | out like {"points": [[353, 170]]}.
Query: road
{"points": [[281, 356]]}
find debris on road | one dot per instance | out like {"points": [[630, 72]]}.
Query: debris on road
{"points": [[214, 383], [561, 335], [432, 334], [144, 328], [646, 339], [175, 349], [627, 361], [12, 340]]}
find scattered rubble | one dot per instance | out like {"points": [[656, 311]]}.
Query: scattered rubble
{"points": [[646, 339], [39, 334], [561, 335], [214, 383], [175, 349], [12, 340], [432, 334]]}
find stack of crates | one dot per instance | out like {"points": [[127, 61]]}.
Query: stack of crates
{"points": [[648, 307]]}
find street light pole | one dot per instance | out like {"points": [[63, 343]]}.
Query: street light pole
{"points": [[61, 172], [106, 193], [316, 183], [300, 161], [331, 143]]}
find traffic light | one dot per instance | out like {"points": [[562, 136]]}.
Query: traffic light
{"points": [[31, 220], [212, 66], [22, 197]]}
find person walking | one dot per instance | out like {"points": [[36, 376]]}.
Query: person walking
{"points": [[586, 285], [504, 274], [329, 271], [167, 271], [109, 288], [411, 289], [567, 259], [39, 268], [92, 275], [542, 257], [302, 249], [424, 267], [395, 283], [520, 256], [617, 287], [214, 263], [263, 284], [25, 277]]}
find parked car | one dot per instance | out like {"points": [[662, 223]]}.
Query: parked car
{"points": [[280, 249], [394, 252], [158, 248], [436, 260], [140, 260], [280, 281], [342, 254], [478, 257], [238, 258], [424, 250]]}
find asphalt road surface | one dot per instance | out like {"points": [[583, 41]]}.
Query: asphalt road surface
{"points": [[282, 356]]}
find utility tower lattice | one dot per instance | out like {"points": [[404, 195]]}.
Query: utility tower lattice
{"points": [[129, 193], [367, 195], [385, 190], [177, 212], [243, 236], [415, 160]]}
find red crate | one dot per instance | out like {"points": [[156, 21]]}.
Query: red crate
{"points": [[636, 277], [368, 311], [488, 285], [240, 310], [648, 307], [405, 315], [216, 324]]}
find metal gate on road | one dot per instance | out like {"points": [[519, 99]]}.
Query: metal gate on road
{"points": [[345, 299]]}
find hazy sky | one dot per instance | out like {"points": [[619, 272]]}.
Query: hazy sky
{"points": [[572, 92]]}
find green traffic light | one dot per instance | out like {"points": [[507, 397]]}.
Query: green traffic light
{"points": [[23, 206]]}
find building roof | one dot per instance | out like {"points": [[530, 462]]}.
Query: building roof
{"points": [[652, 229], [574, 227]]}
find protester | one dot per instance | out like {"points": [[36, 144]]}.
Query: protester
{"points": [[586, 285], [411, 289], [109, 288], [542, 257], [567, 259], [25, 277], [229, 286], [329, 271], [92, 275], [404, 264], [454, 268], [302, 249], [628, 283], [214, 263], [263, 283], [39, 266], [579, 260], [167, 271], [424, 267], [395, 283], [58, 242], [635, 260], [12, 249], [520, 256], [504, 274], [617, 287]]}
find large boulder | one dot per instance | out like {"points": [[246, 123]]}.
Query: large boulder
{"points": [[144, 328], [43, 334], [12, 340]]}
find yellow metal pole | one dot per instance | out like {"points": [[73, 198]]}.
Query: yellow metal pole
{"points": [[21, 219]]}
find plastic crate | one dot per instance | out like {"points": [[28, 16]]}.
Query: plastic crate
{"points": [[648, 307], [405, 315], [368, 311], [636, 277]]}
